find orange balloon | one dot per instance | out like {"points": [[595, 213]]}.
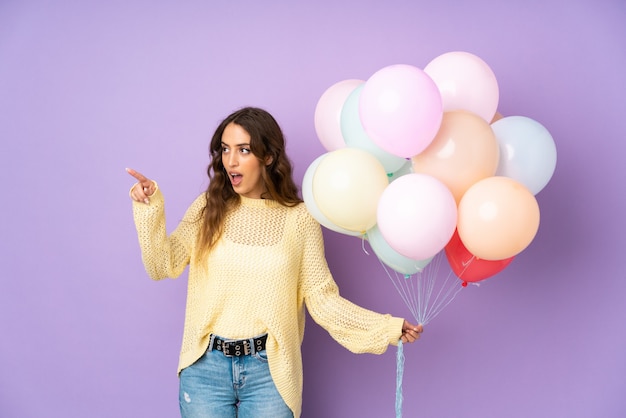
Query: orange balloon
{"points": [[464, 151], [498, 218]]}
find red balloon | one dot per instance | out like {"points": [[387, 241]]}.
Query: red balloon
{"points": [[467, 266]]}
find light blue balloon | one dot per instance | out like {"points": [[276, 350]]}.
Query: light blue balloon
{"points": [[354, 134], [527, 151], [391, 257]]}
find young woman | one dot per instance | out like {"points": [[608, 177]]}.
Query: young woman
{"points": [[256, 259]]}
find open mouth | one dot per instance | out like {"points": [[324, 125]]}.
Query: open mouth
{"points": [[236, 179]]}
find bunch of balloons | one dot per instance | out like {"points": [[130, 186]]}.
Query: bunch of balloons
{"points": [[420, 162]]}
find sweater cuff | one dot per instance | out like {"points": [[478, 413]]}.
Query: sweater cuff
{"points": [[394, 329]]}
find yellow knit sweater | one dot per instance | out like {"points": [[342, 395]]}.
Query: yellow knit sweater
{"points": [[267, 266]]}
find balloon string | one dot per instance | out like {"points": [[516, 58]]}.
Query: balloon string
{"points": [[400, 288], [363, 239], [428, 283], [444, 298], [399, 376], [428, 292], [434, 308], [425, 293], [467, 264]]}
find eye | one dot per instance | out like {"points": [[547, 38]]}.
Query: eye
{"points": [[224, 150], [245, 150]]}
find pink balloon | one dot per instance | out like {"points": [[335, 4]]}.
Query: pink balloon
{"points": [[466, 83], [417, 215], [401, 109], [328, 113]]}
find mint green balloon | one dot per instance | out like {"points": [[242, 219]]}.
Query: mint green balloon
{"points": [[391, 257]]}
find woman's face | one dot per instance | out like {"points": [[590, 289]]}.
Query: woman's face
{"points": [[242, 167]]}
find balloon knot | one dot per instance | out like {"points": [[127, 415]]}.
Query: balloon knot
{"points": [[389, 174], [464, 284]]}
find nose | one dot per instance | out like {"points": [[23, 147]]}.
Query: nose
{"points": [[231, 159]]}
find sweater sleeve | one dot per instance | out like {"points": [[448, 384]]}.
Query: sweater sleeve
{"points": [[165, 255], [357, 329]]}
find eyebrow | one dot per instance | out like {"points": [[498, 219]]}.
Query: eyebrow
{"points": [[244, 144]]}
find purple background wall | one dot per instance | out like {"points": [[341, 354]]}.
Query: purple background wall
{"points": [[88, 88]]}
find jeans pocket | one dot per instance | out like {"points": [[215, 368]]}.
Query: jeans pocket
{"points": [[261, 356]]}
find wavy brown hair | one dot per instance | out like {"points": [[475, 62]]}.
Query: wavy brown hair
{"points": [[266, 140]]}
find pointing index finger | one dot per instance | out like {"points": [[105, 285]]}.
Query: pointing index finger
{"points": [[140, 177]]}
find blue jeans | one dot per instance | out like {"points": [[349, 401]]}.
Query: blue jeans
{"points": [[217, 386]]}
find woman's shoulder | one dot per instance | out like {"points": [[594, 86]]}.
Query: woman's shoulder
{"points": [[299, 208], [304, 216], [196, 207], [199, 202]]}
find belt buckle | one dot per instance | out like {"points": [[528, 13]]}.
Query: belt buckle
{"points": [[228, 349], [236, 348]]}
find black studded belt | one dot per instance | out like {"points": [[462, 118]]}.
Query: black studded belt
{"points": [[238, 348]]}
